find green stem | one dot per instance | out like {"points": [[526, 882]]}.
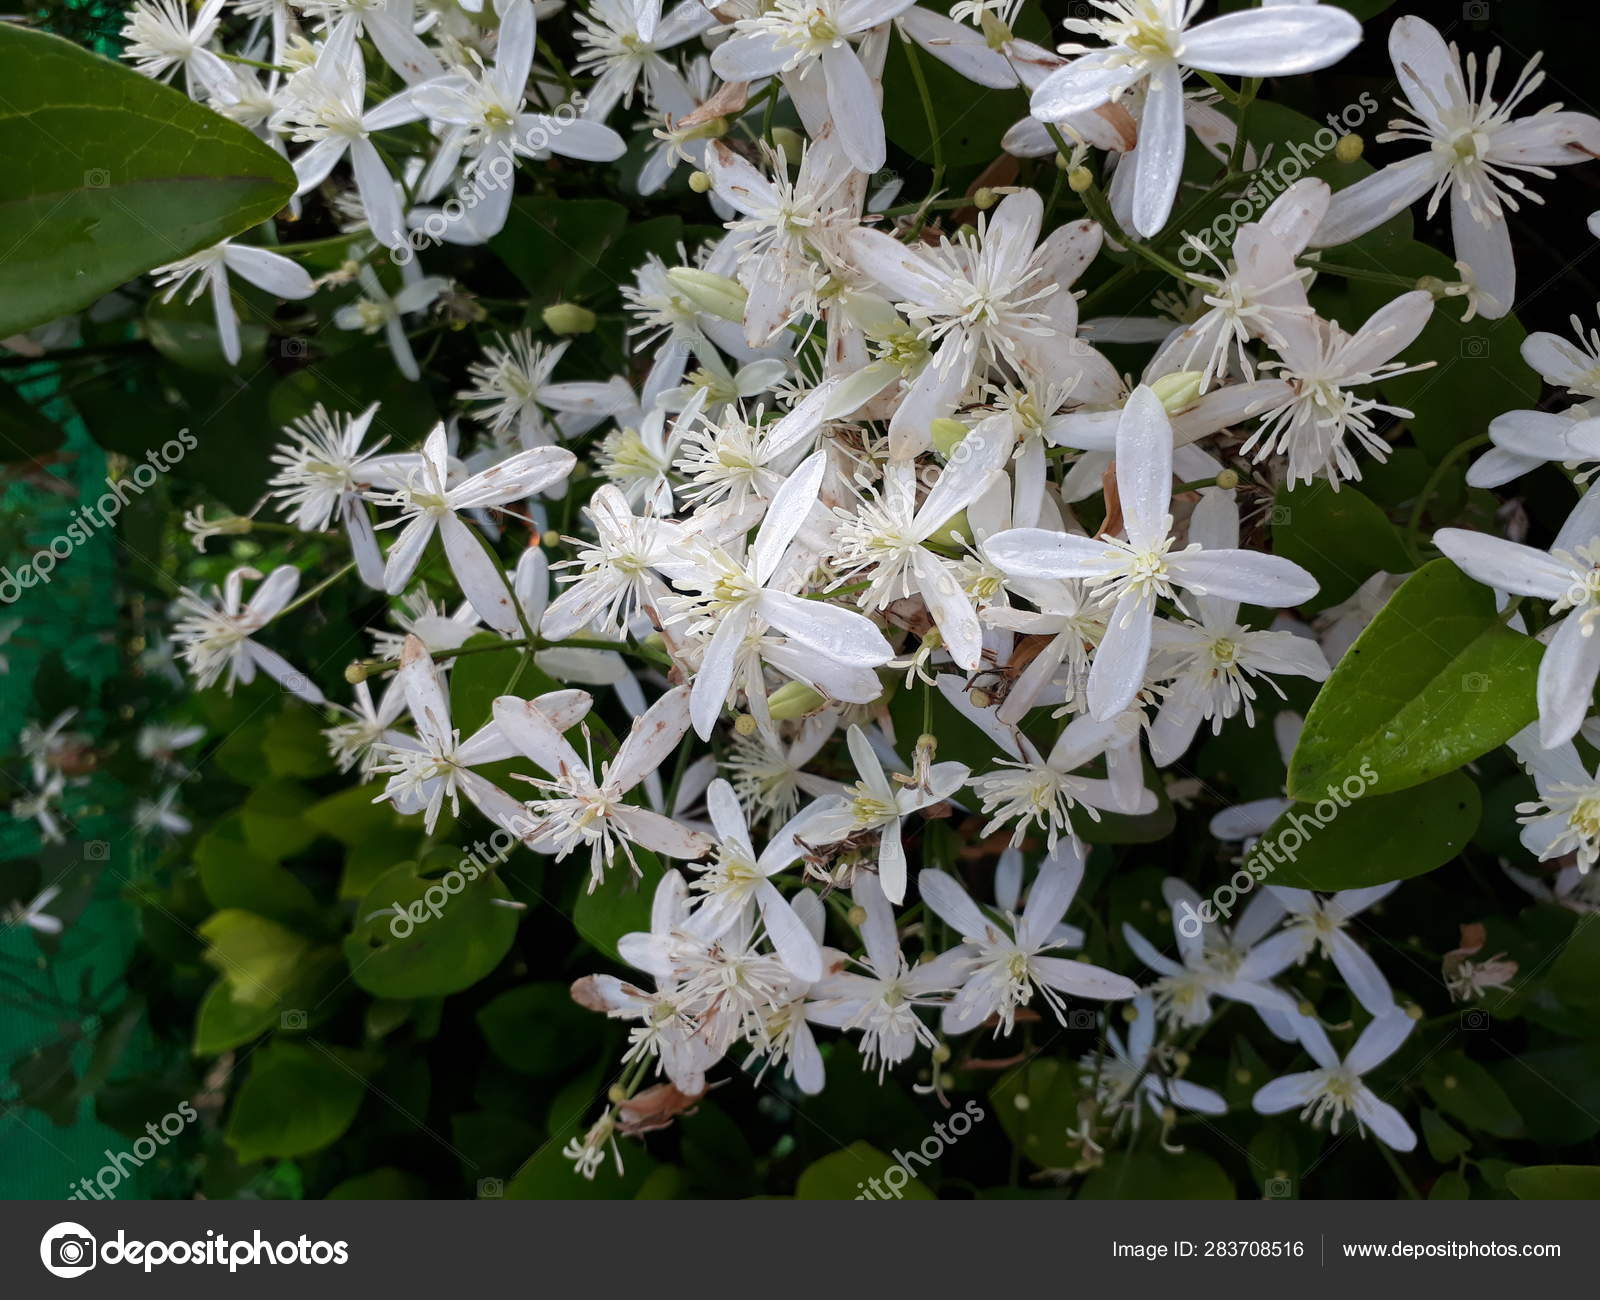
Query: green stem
{"points": [[1358, 273], [1414, 524], [927, 107], [307, 597]]}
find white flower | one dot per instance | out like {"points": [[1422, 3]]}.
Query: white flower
{"points": [[979, 298], [325, 106], [802, 38], [621, 41], [736, 598], [1140, 1069], [33, 914], [875, 803], [437, 766], [1007, 964], [577, 808], [209, 269], [1565, 818], [324, 469], [1150, 42], [886, 538], [1569, 577], [1524, 440], [160, 38], [430, 503], [1212, 658], [1335, 1089], [214, 639], [1130, 575], [1035, 792], [1214, 962], [666, 1029], [737, 880], [1321, 364], [160, 814], [1475, 150], [389, 24], [485, 113], [731, 459], [513, 380], [1314, 923], [375, 310], [882, 1004], [618, 572]]}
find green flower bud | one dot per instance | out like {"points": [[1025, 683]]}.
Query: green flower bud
{"points": [[794, 700], [710, 292], [790, 143], [946, 435], [568, 318], [1179, 390]]}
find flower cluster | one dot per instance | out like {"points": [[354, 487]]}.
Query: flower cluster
{"points": [[867, 464]]}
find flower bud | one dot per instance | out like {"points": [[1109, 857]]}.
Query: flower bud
{"points": [[1178, 390], [1228, 479], [794, 700], [1349, 148], [1079, 179], [790, 143], [745, 725], [550, 539], [568, 318], [985, 199], [946, 435], [357, 673], [857, 916], [699, 182], [709, 291], [940, 1053]]}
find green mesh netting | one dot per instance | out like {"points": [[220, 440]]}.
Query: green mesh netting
{"points": [[48, 1024]]}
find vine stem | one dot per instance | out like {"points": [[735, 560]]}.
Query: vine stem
{"points": [[1414, 524], [307, 597]]}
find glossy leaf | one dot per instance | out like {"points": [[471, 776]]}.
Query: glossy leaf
{"points": [[1435, 681], [109, 174]]}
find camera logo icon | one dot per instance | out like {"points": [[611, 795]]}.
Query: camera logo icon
{"points": [[68, 1250]]}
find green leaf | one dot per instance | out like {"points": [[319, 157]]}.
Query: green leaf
{"points": [[477, 680], [1444, 1143], [538, 1028], [970, 124], [260, 959], [1450, 1186], [1556, 1090], [1435, 681], [386, 1184], [619, 905], [1145, 1176], [297, 1100], [1328, 847], [1037, 1106], [1555, 1183], [1340, 538], [550, 243], [1461, 1087], [460, 937], [849, 1174], [223, 1022], [109, 174]]}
